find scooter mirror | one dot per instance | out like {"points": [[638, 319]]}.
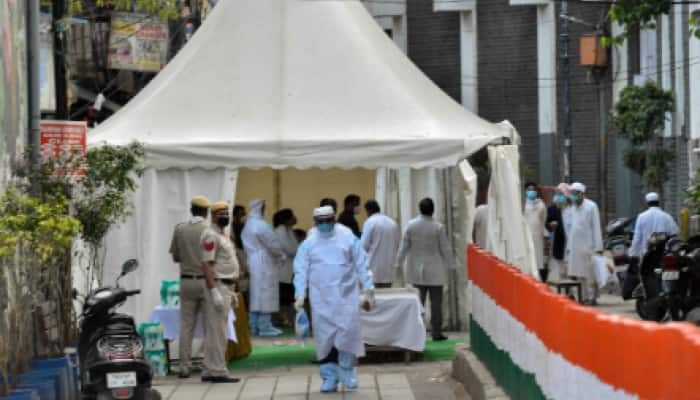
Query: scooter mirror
{"points": [[129, 266]]}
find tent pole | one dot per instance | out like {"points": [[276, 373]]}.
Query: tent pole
{"points": [[449, 224]]}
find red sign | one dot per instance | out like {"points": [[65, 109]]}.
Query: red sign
{"points": [[62, 140]]}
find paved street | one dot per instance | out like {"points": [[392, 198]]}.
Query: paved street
{"points": [[614, 304], [418, 381]]}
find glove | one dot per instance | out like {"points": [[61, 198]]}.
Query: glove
{"points": [[299, 303], [217, 298], [370, 298]]}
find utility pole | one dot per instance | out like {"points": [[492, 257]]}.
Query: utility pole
{"points": [[59, 50], [566, 77], [34, 78]]}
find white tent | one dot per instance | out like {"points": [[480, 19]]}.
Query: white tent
{"points": [[278, 83]]}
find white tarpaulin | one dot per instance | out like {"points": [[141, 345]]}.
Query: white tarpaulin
{"points": [[293, 83], [508, 235]]}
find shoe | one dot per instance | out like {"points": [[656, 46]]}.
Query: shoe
{"points": [[439, 338], [220, 379], [329, 374], [348, 372]]}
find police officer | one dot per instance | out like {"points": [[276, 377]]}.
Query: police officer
{"points": [[220, 269], [185, 249]]}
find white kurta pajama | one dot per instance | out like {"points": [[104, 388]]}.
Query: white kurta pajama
{"points": [[653, 220], [535, 217], [585, 239], [380, 239], [263, 251], [330, 265]]}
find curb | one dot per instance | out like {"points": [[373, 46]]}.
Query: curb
{"points": [[477, 380]]}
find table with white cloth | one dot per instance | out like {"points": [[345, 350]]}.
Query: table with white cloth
{"points": [[395, 322], [169, 318]]}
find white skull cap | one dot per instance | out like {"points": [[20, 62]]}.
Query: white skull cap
{"points": [[257, 203], [578, 187], [325, 211], [652, 197]]}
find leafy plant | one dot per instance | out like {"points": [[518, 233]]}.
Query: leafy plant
{"points": [[165, 9], [692, 194], [635, 15], [639, 116]]}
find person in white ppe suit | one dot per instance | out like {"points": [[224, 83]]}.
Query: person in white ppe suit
{"points": [[330, 264], [380, 239], [284, 221], [653, 220], [427, 256], [264, 252], [584, 241]]}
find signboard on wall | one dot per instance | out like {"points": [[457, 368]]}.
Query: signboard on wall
{"points": [[62, 140], [138, 42]]}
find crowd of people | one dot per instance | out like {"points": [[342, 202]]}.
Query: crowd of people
{"points": [[568, 233], [275, 269]]}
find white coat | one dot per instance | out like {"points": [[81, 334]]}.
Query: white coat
{"points": [[380, 239], [289, 244], [330, 266], [653, 220], [481, 228], [425, 252], [264, 252], [535, 217], [584, 240]]}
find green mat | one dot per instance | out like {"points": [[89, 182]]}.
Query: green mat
{"points": [[267, 357]]}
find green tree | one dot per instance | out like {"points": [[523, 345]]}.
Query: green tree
{"points": [[165, 9], [642, 14], [639, 116]]}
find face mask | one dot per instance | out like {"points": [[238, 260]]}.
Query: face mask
{"points": [[356, 210], [559, 199], [222, 221], [574, 198], [531, 194], [325, 228]]}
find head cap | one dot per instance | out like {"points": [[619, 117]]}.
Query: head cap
{"points": [[324, 212], [564, 188], [200, 201], [578, 187], [652, 197], [218, 206]]}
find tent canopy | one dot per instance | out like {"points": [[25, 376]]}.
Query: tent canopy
{"points": [[295, 83]]}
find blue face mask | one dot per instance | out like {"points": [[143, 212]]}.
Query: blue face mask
{"points": [[531, 194], [574, 198], [559, 199], [325, 227]]}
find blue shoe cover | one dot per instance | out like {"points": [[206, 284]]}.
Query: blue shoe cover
{"points": [[329, 374], [348, 372]]}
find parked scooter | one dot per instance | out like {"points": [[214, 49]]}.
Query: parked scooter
{"points": [[111, 357], [618, 239], [649, 303]]}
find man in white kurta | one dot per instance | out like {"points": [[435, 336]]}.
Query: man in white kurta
{"points": [[535, 216], [380, 239], [653, 220], [585, 240], [330, 264], [264, 252]]}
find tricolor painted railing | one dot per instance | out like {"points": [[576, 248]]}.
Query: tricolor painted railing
{"points": [[540, 345]]}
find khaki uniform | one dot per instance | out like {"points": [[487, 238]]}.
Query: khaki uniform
{"points": [[218, 247], [186, 250]]}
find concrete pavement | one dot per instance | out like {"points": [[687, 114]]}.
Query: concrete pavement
{"points": [[418, 381]]}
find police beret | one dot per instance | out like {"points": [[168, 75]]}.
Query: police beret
{"points": [[218, 206], [200, 201]]}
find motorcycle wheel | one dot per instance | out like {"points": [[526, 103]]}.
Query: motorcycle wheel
{"points": [[650, 310], [693, 316]]}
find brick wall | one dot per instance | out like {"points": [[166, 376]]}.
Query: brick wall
{"points": [[433, 45]]}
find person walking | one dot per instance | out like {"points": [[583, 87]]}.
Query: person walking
{"points": [[653, 220], [584, 241], [427, 256], [185, 248], [380, 239], [283, 222], [330, 264], [555, 225], [220, 270], [535, 216], [264, 252], [349, 214]]}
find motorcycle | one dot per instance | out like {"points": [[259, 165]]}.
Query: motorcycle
{"points": [[111, 359], [649, 304], [618, 239]]}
